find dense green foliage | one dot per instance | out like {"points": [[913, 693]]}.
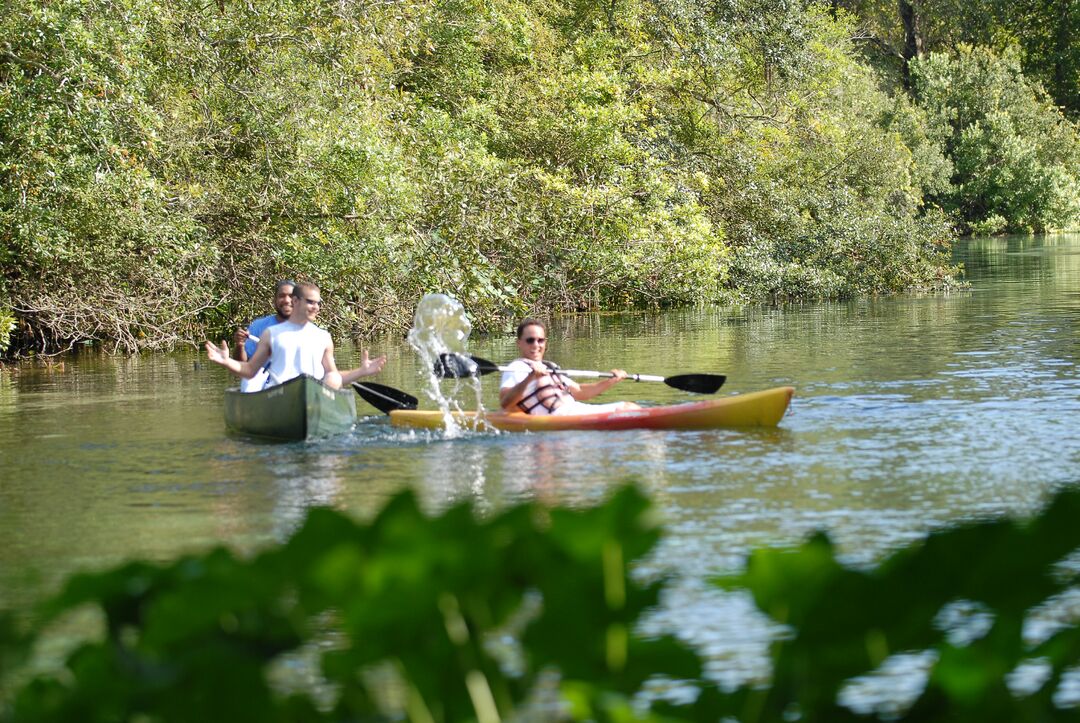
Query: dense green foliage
{"points": [[1015, 157], [805, 168], [7, 325], [533, 612], [998, 81], [162, 162], [1041, 32]]}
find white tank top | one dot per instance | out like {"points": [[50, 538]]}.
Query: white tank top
{"points": [[296, 349]]}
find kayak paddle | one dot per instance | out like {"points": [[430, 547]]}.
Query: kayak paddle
{"points": [[385, 399], [461, 365]]}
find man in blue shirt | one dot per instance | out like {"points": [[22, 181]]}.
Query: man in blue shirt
{"points": [[283, 302], [245, 347]]}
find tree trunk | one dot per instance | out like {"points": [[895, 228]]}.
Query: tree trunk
{"points": [[913, 39], [1065, 85]]}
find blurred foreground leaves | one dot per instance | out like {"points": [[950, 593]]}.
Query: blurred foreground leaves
{"points": [[531, 613]]}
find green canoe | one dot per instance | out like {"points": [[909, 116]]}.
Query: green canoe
{"points": [[301, 408]]}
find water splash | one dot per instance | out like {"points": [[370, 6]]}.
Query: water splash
{"points": [[440, 326]]}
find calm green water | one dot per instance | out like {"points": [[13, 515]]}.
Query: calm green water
{"points": [[910, 413]]}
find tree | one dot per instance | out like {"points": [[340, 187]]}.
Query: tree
{"points": [[1016, 157], [162, 162], [1042, 31]]}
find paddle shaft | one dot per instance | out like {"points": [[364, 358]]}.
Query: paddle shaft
{"points": [[460, 365], [595, 375]]}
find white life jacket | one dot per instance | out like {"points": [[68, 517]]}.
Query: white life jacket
{"points": [[546, 394]]}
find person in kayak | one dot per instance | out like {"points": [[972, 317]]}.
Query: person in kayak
{"points": [[296, 347], [534, 386], [245, 344]]}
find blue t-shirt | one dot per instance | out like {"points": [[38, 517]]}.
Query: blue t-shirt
{"points": [[257, 328]]}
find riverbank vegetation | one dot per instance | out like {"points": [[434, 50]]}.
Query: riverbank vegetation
{"points": [[162, 163], [534, 613]]}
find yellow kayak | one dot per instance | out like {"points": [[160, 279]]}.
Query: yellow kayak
{"points": [[755, 409]]}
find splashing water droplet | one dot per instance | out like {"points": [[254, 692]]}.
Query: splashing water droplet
{"points": [[440, 326]]}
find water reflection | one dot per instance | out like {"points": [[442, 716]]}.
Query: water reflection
{"points": [[495, 469], [298, 479]]}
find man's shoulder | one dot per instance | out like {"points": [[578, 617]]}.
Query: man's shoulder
{"points": [[311, 332], [513, 372], [315, 329], [286, 325], [262, 322]]}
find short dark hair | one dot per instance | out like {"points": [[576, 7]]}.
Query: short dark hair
{"points": [[530, 322], [303, 285], [282, 284]]}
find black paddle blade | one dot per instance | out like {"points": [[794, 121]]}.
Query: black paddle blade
{"points": [[455, 366], [697, 383], [385, 399]]}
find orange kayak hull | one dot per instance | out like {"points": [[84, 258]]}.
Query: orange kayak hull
{"points": [[754, 409]]}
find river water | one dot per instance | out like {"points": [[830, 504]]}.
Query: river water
{"points": [[910, 413]]}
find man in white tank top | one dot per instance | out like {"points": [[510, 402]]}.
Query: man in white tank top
{"points": [[296, 347]]}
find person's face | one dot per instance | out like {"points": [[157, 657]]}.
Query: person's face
{"points": [[308, 303], [283, 301], [532, 343]]}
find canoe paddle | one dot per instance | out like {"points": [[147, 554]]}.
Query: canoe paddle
{"points": [[461, 365], [385, 399]]}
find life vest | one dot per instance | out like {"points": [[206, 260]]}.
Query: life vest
{"points": [[549, 392]]}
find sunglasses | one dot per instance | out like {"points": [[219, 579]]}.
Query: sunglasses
{"points": [[313, 302], [535, 340]]}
